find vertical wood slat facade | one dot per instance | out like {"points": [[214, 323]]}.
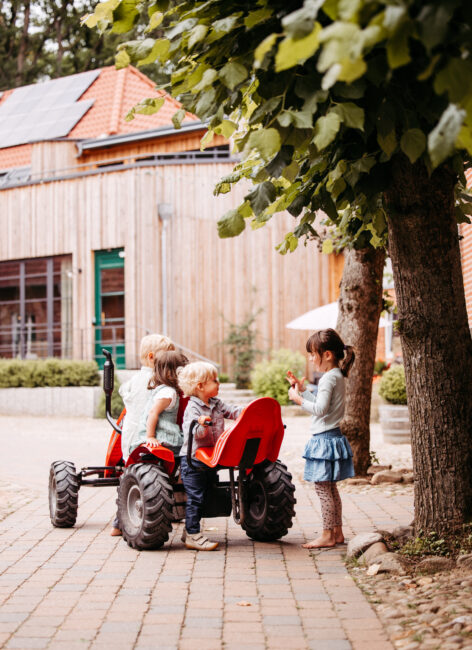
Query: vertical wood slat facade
{"points": [[210, 281]]}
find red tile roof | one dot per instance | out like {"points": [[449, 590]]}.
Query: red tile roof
{"points": [[114, 92]]}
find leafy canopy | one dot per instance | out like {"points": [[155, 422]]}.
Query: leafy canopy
{"points": [[319, 95]]}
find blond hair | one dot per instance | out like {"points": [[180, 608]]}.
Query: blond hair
{"points": [[154, 343], [193, 374]]}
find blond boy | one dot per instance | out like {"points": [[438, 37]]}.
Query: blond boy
{"points": [[199, 381]]}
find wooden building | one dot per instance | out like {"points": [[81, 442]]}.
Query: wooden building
{"points": [[108, 231]]}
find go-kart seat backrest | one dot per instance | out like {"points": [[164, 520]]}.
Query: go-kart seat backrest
{"points": [[260, 421]]}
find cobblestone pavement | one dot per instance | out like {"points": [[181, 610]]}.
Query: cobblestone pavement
{"points": [[81, 588]]}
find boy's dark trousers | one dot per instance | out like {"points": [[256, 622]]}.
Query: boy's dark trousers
{"points": [[196, 483]]}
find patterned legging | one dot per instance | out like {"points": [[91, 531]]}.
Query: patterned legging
{"points": [[331, 507]]}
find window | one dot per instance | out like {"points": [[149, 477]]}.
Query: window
{"points": [[36, 308]]}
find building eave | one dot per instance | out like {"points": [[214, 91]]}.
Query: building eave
{"points": [[126, 138]]}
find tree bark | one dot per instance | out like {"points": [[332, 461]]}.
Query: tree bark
{"points": [[360, 304], [23, 45], [436, 342]]}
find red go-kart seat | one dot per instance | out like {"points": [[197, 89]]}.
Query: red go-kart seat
{"points": [[260, 420]]}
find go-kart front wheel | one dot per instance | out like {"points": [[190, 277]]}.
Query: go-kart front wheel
{"points": [[268, 502], [63, 494], [145, 503]]}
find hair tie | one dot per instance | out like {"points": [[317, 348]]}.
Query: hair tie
{"points": [[344, 347]]}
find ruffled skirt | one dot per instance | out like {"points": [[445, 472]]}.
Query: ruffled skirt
{"points": [[328, 457]]}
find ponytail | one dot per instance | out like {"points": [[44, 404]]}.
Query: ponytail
{"points": [[345, 364]]}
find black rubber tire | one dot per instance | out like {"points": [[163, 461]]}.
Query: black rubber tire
{"points": [[63, 494], [145, 506], [269, 502]]}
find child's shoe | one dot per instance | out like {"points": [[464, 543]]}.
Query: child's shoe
{"points": [[114, 532], [198, 542]]}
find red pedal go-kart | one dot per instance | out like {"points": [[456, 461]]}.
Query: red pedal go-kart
{"points": [[151, 497]]}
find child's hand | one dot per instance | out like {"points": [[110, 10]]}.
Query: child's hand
{"points": [[204, 420], [294, 395], [294, 381], [152, 442]]}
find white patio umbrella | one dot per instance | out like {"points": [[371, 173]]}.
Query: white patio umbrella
{"points": [[321, 318]]}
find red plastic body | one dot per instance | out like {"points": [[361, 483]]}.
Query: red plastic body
{"points": [[260, 419], [114, 453]]}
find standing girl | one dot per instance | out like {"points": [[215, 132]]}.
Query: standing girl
{"points": [[328, 454]]}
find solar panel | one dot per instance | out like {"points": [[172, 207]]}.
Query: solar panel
{"points": [[45, 110]]}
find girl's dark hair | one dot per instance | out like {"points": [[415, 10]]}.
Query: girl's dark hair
{"points": [[324, 340], [165, 369]]}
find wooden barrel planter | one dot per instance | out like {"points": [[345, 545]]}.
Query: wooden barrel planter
{"points": [[395, 423]]}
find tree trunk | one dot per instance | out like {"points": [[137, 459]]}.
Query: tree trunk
{"points": [[360, 304], [23, 46], [436, 342]]}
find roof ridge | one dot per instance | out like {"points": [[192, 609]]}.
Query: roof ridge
{"points": [[117, 100]]}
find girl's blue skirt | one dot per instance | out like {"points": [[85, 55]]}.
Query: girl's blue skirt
{"points": [[328, 457]]}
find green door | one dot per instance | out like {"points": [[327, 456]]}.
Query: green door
{"points": [[110, 306]]}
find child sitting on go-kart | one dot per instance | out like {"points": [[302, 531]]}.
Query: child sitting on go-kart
{"points": [[199, 381], [135, 394], [158, 424]]}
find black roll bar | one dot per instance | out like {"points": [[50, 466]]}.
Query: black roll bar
{"points": [[108, 385]]}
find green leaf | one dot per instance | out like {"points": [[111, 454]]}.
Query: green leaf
{"points": [[394, 17], [261, 50], [454, 79], [159, 51], [122, 59], [233, 74], [178, 117], [464, 140], [207, 139], [398, 52], [231, 224], [387, 141], [326, 129], [327, 247], [299, 23], [300, 119], [207, 79], [442, 139], [351, 114], [223, 26], [196, 35], [125, 16], [226, 128], [261, 197], [156, 20], [256, 17], [293, 51], [265, 141], [288, 245], [206, 103], [413, 143]]}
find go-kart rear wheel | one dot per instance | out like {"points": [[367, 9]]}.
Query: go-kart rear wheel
{"points": [[145, 503], [63, 494], [269, 502]]}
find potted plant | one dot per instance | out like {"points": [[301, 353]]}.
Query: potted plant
{"points": [[394, 416]]}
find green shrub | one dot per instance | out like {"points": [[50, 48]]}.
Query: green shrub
{"points": [[116, 402], [380, 367], [223, 378], [241, 344], [269, 377], [392, 385], [47, 372]]}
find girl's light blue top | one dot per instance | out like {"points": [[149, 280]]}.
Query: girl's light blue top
{"points": [[327, 406]]}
